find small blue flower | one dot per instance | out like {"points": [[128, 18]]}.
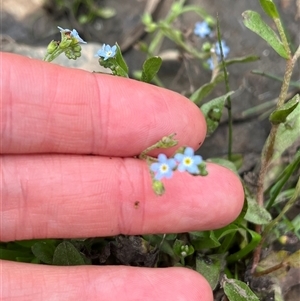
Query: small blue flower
{"points": [[225, 49], [107, 52], [73, 34], [210, 64], [188, 161], [202, 29], [163, 168]]}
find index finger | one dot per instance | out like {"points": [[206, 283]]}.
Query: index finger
{"points": [[47, 108]]}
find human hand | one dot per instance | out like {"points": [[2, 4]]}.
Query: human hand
{"points": [[63, 132]]}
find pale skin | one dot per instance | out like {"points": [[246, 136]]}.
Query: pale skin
{"points": [[63, 133]]}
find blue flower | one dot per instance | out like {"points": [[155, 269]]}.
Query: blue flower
{"points": [[225, 49], [107, 52], [163, 168], [188, 161], [202, 29], [73, 34], [210, 63]]}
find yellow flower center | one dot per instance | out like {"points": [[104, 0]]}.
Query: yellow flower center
{"points": [[188, 161], [164, 168]]}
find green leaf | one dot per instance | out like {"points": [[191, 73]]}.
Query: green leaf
{"points": [[224, 162], [157, 240], [280, 115], [213, 110], [26, 243], [227, 230], [28, 259], [296, 224], [253, 21], [14, 254], [44, 251], [120, 61], [275, 189], [256, 214], [247, 248], [237, 160], [205, 90], [150, 68], [171, 236], [204, 240], [66, 254], [269, 8], [287, 133], [237, 290], [245, 59], [211, 267]]}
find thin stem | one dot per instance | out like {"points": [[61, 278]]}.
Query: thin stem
{"points": [[165, 142], [269, 270], [286, 81], [158, 39], [282, 35], [50, 57], [296, 55], [272, 76], [228, 104]]}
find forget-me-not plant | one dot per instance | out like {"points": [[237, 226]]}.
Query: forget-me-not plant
{"points": [[73, 34], [107, 52], [163, 168], [210, 63], [202, 29], [225, 49], [188, 161]]}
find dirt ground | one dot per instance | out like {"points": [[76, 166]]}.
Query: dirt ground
{"points": [[27, 28]]}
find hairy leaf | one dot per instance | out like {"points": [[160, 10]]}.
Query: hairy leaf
{"points": [[237, 290], [280, 115], [269, 8], [213, 110], [150, 68], [66, 254], [253, 21]]}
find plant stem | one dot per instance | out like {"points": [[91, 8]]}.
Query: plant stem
{"points": [[50, 57], [228, 104], [268, 149], [282, 35]]}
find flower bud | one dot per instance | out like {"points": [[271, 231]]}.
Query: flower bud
{"points": [[76, 48], [52, 46], [206, 47], [158, 187], [65, 43], [202, 168]]}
